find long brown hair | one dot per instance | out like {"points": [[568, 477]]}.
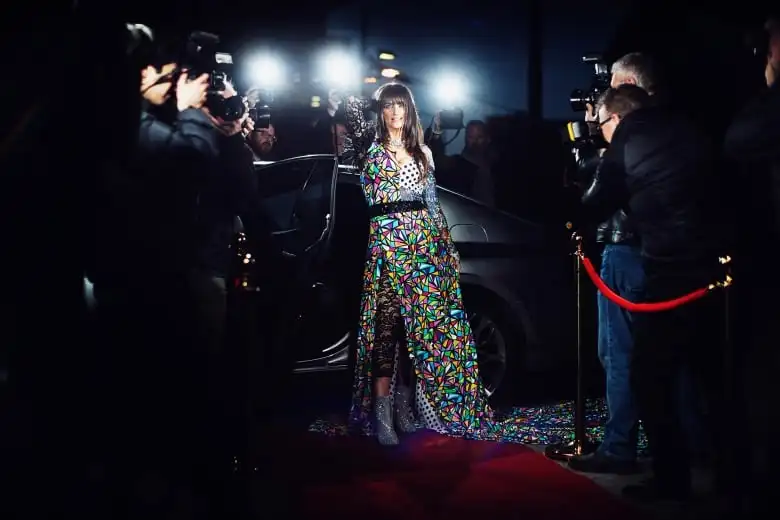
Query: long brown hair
{"points": [[412, 133]]}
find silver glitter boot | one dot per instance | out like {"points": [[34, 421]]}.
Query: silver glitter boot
{"points": [[404, 418], [383, 415]]}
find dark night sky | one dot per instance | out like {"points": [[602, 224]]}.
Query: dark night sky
{"points": [[484, 41]]}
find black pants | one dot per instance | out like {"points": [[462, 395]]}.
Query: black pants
{"points": [[164, 404], [757, 307], [687, 337]]}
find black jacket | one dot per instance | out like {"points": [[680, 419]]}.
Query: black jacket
{"points": [[754, 135], [232, 191], [754, 138], [146, 211], [671, 188], [618, 228]]}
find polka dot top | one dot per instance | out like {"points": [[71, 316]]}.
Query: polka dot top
{"points": [[409, 177]]}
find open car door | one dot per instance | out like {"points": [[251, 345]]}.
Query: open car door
{"points": [[298, 197]]}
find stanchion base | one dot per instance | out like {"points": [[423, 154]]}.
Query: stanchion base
{"points": [[564, 451]]}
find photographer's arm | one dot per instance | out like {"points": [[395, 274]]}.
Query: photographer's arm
{"points": [[434, 142], [193, 133], [433, 138], [606, 192], [244, 180], [755, 132], [587, 160]]}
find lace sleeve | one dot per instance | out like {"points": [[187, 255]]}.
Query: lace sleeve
{"points": [[434, 208], [360, 133]]}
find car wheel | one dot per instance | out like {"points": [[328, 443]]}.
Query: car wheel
{"points": [[497, 347]]}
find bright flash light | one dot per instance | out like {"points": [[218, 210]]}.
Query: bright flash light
{"points": [[267, 72], [390, 73], [369, 79], [451, 89], [386, 56], [339, 68]]}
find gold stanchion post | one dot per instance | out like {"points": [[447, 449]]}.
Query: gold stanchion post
{"points": [[580, 445]]}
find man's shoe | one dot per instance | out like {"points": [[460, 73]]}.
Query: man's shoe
{"points": [[598, 462], [651, 491]]}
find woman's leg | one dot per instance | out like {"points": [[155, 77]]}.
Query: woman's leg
{"points": [[386, 335], [404, 417], [385, 339]]}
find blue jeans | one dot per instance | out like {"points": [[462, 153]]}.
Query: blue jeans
{"points": [[623, 272]]}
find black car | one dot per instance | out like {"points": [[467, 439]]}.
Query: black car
{"points": [[516, 276]]}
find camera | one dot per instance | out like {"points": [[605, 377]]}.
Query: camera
{"points": [[583, 138], [260, 101], [601, 78], [261, 116], [584, 135], [451, 119], [584, 141], [201, 57]]}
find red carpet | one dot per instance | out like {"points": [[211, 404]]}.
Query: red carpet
{"points": [[431, 476]]}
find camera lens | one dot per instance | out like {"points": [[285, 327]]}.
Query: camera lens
{"points": [[230, 109], [577, 100], [233, 108]]}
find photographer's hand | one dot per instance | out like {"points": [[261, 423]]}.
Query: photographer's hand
{"points": [[226, 128], [590, 114], [770, 73], [334, 102], [436, 126], [230, 91], [249, 126], [191, 93]]}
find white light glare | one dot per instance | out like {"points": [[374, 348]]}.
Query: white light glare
{"points": [[450, 89], [340, 69], [267, 72]]}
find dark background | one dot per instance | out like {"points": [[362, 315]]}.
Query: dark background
{"points": [[69, 68]]}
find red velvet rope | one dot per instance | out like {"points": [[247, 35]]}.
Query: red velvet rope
{"points": [[639, 307]]}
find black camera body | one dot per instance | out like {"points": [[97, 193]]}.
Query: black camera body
{"points": [[582, 135], [584, 141], [202, 57], [579, 98], [260, 116], [451, 119], [584, 138], [260, 101]]}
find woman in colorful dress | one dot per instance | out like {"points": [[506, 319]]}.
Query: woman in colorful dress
{"points": [[411, 291]]}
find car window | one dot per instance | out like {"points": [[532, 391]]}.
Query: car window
{"points": [[296, 194]]}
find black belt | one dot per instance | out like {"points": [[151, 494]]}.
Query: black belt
{"points": [[377, 210]]}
